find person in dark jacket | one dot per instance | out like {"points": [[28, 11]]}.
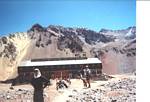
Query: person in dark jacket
{"points": [[39, 83]]}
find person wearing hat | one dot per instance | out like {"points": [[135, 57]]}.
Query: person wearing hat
{"points": [[39, 83]]}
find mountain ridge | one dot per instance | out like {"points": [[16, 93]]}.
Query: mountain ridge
{"points": [[58, 41]]}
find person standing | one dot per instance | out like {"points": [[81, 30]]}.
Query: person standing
{"points": [[39, 83], [82, 77], [87, 73]]}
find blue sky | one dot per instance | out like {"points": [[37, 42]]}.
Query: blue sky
{"points": [[20, 15]]}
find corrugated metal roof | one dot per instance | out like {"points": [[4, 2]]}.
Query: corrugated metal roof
{"points": [[63, 62]]}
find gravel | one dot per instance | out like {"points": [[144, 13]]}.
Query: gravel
{"points": [[123, 90], [16, 94]]}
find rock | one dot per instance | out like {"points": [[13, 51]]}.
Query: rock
{"points": [[67, 101], [8, 97], [12, 88], [75, 90], [20, 89], [113, 100], [70, 96]]}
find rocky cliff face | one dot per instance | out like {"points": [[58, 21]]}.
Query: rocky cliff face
{"points": [[12, 50], [62, 42], [116, 49], [129, 33]]}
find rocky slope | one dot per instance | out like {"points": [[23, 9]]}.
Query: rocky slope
{"points": [[118, 57], [116, 49], [129, 33], [12, 50]]}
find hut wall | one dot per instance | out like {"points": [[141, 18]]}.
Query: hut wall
{"points": [[57, 71]]}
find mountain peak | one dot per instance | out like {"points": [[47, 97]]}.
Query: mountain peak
{"points": [[37, 27]]}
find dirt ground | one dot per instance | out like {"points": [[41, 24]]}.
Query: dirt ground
{"points": [[53, 95]]}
